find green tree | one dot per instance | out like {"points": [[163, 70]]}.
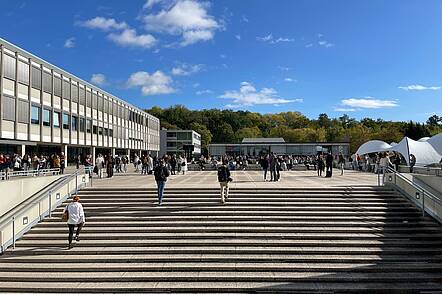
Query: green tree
{"points": [[206, 135], [253, 132]]}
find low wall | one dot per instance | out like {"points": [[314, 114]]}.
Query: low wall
{"points": [[16, 191], [434, 182], [19, 223]]}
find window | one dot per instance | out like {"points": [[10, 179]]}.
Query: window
{"points": [[106, 132], [66, 90], [111, 133], [35, 115], [23, 111], [94, 101], [74, 93], [47, 82], [82, 96], [95, 129], [46, 117], [100, 104], [65, 121], [9, 67], [89, 126], [100, 131], [82, 124], [184, 136], [8, 108], [57, 86], [88, 99], [74, 123], [56, 119], [36, 78], [23, 72]]}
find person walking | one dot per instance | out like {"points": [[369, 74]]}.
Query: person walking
{"points": [[78, 161], [161, 173], [272, 164], [329, 165], [184, 165], [341, 163], [224, 179], [173, 163], [412, 162], [321, 165], [265, 166], [74, 215], [110, 166], [99, 163]]}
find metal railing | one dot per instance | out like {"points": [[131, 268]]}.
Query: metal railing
{"points": [[421, 195], [29, 173], [45, 195]]}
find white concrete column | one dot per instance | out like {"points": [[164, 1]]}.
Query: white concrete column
{"points": [[113, 152], [22, 150], [64, 148], [94, 155]]}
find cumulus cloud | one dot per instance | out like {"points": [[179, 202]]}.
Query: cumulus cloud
{"points": [[188, 18], [130, 38], [419, 88], [368, 102], [151, 84], [248, 95], [238, 37], [289, 80], [270, 39], [186, 69], [102, 23], [343, 109], [69, 43], [98, 79]]}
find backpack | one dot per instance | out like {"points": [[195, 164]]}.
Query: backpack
{"points": [[222, 174]]}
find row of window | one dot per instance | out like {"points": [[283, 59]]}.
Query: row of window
{"points": [[73, 123], [43, 80]]}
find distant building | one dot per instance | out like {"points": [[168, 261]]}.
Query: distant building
{"points": [[259, 146], [184, 142]]}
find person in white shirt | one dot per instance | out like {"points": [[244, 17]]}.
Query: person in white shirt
{"points": [[184, 165], [75, 218], [99, 163]]}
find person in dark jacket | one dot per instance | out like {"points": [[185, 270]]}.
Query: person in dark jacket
{"points": [[224, 179], [321, 165], [161, 173], [264, 162], [110, 166], [329, 165]]}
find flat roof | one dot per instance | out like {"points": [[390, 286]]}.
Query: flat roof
{"points": [[281, 144], [262, 140]]}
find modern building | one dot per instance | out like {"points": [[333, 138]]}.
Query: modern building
{"points": [[45, 109], [184, 142], [260, 146]]}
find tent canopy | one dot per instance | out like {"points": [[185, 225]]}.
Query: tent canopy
{"points": [[426, 151]]}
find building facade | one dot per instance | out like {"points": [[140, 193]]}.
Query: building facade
{"points": [[45, 109], [179, 142], [259, 146]]}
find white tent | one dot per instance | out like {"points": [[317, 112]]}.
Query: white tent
{"points": [[373, 146], [427, 151]]}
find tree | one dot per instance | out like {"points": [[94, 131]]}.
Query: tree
{"points": [[434, 121], [224, 134], [253, 132]]}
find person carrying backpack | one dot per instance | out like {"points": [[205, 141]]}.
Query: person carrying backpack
{"points": [[161, 173], [224, 179]]}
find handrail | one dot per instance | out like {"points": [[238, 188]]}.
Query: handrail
{"points": [[37, 197], [417, 186], [419, 191], [34, 172]]}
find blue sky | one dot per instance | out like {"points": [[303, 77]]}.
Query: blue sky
{"points": [[379, 59]]}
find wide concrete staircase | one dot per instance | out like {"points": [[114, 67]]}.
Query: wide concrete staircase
{"points": [[360, 239]]}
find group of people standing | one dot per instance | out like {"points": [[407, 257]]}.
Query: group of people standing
{"points": [[16, 162]]}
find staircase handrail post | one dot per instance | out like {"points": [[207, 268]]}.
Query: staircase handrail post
{"points": [[13, 232], [423, 202]]}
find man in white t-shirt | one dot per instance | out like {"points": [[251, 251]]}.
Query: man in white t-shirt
{"points": [[75, 218]]}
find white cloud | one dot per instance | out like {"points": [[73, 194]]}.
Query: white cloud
{"points": [[309, 45], [129, 37], [419, 88], [249, 96], [204, 92], [270, 39], [284, 68], [69, 43], [244, 18], [150, 3], [368, 102], [289, 80], [342, 109], [187, 18], [238, 37], [105, 24], [151, 84], [196, 85], [326, 44], [186, 69], [98, 79]]}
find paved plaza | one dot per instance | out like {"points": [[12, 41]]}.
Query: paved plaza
{"points": [[241, 179]]}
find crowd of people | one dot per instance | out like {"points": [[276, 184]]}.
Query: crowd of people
{"points": [[16, 162]]}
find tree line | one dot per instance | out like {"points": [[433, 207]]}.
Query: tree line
{"points": [[229, 126]]}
